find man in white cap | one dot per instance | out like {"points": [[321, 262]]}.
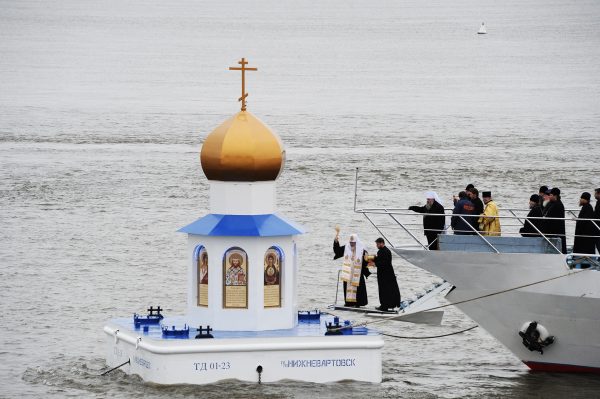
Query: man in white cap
{"points": [[435, 218], [354, 270]]}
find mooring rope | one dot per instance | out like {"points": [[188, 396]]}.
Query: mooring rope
{"points": [[414, 337], [431, 336], [114, 368]]}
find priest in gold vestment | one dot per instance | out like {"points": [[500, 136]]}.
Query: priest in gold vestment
{"points": [[354, 270]]}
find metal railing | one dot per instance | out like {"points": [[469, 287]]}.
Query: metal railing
{"points": [[410, 228], [386, 220]]}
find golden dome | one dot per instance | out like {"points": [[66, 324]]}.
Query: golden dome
{"points": [[242, 149]]}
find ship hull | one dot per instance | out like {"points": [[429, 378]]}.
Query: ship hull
{"points": [[567, 303]]}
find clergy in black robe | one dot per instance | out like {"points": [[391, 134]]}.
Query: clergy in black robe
{"points": [[361, 292], [434, 219], [389, 293], [554, 223], [544, 190], [585, 242], [528, 229]]}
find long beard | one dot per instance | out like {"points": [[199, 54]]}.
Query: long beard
{"points": [[546, 202], [428, 206]]}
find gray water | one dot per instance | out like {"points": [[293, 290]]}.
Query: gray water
{"points": [[104, 106]]}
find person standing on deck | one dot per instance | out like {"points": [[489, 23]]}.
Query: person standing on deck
{"points": [[554, 224], [541, 194], [528, 229], [584, 229], [462, 221], [434, 220], [545, 200], [489, 223], [354, 269], [455, 199], [389, 293], [473, 195]]}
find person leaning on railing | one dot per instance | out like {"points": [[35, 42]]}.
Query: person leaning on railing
{"points": [[432, 225]]}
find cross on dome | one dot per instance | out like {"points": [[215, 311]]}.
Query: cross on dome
{"points": [[243, 68], [243, 148]]}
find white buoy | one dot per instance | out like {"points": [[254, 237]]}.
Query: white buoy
{"points": [[482, 30]]}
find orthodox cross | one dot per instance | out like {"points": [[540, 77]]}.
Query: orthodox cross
{"points": [[243, 68]]}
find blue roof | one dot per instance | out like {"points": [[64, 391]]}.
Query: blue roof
{"points": [[242, 225]]}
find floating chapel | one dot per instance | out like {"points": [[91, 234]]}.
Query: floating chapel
{"points": [[242, 320]]}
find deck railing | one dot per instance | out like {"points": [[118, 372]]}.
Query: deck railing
{"points": [[388, 221]]}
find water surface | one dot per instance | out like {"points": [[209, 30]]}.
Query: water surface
{"points": [[104, 107]]}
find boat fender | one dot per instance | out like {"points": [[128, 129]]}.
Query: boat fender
{"points": [[116, 336], [535, 336], [137, 342]]}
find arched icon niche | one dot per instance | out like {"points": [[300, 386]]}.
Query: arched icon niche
{"points": [[201, 260], [235, 279], [272, 268]]}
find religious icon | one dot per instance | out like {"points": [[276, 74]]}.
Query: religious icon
{"points": [[272, 277], [203, 272], [202, 262], [271, 269], [235, 270], [235, 274]]}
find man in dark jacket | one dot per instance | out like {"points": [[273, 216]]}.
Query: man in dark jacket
{"points": [[434, 220], [528, 229], [554, 223], [585, 230], [389, 293], [464, 224], [473, 195]]}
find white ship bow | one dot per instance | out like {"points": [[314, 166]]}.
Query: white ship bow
{"points": [[568, 306], [511, 284]]}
